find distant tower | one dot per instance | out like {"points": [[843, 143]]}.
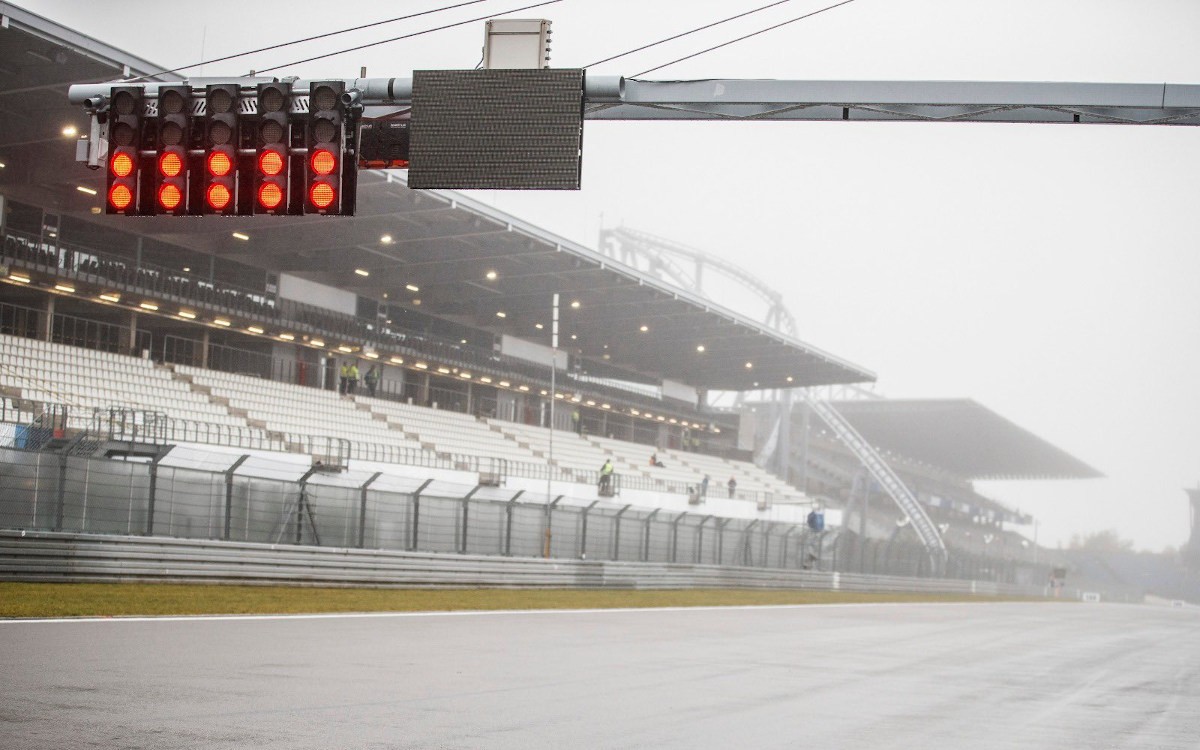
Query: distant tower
{"points": [[1191, 552]]}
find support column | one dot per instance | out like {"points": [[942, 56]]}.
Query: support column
{"points": [[204, 349], [133, 321], [48, 319]]}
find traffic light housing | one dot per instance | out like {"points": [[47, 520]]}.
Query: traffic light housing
{"points": [[222, 136], [272, 160], [325, 139], [173, 140], [123, 190]]}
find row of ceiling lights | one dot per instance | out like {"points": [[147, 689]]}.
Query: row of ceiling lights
{"points": [[114, 298]]}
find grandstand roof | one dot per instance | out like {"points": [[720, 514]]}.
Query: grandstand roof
{"points": [[443, 243], [962, 437]]}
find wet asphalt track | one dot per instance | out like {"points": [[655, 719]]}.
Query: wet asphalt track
{"points": [[862, 676]]}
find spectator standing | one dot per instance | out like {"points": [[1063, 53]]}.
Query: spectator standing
{"points": [[372, 379], [704, 486], [344, 379], [606, 472], [732, 485], [352, 378]]}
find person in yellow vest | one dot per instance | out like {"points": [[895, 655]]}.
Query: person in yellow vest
{"points": [[344, 379], [606, 472], [352, 382]]}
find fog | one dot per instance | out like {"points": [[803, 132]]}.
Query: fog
{"points": [[1048, 272]]}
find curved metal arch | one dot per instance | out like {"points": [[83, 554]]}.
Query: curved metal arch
{"points": [[685, 267]]}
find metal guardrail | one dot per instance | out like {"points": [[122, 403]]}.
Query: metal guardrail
{"points": [[52, 556]]}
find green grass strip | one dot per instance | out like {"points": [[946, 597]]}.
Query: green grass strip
{"points": [[127, 599]]}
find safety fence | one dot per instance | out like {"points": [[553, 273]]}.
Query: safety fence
{"points": [[363, 510]]}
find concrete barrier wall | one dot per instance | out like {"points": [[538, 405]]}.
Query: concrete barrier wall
{"points": [[72, 557]]}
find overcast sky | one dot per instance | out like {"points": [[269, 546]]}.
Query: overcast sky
{"points": [[1049, 272]]}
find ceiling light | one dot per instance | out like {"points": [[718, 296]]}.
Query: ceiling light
{"points": [[397, 360], [416, 302], [591, 402], [362, 272], [422, 366], [661, 418], [87, 190], [538, 326], [501, 314], [287, 336], [505, 384], [700, 347], [240, 236], [386, 239], [574, 337], [254, 329], [187, 269], [465, 375], [672, 420], [187, 314], [523, 388], [412, 287], [490, 275], [148, 306], [756, 384], [19, 279], [559, 395], [65, 288], [749, 365], [110, 297], [372, 355], [344, 349], [462, 341], [2, 165], [222, 322], [485, 379], [605, 406], [790, 378], [70, 131], [643, 329], [575, 304], [317, 342], [444, 370]]}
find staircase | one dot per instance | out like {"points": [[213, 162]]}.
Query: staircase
{"points": [[882, 473]]}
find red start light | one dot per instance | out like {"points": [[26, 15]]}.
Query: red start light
{"points": [[218, 197], [169, 197], [322, 195], [120, 197], [270, 163], [323, 162], [219, 164], [270, 195], [170, 164], [122, 165]]}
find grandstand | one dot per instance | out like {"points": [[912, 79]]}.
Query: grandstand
{"points": [[224, 338]]}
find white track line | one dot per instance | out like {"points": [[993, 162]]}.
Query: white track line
{"points": [[476, 613]]}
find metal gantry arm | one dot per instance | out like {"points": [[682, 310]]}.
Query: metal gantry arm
{"points": [[922, 101], [617, 98]]}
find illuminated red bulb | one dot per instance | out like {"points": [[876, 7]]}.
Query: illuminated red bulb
{"points": [[218, 197], [120, 197], [122, 165], [169, 197], [270, 163], [219, 164], [323, 162], [322, 195], [270, 195], [170, 164]]}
